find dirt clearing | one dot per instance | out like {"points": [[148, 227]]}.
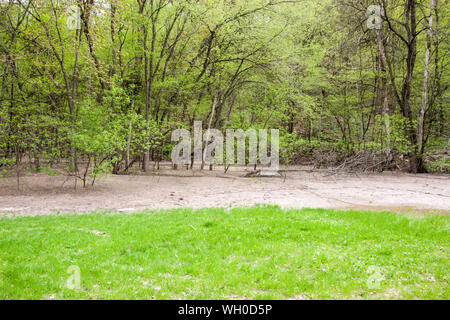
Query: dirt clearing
{"points": [[299, 188]]}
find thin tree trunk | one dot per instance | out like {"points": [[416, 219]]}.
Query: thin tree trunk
{"points": [[420, 126], [209, 127], [385, 93], [130, 130], [149, 77], [411, 27]]}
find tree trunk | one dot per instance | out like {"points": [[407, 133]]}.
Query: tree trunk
{"points": [[385, 92], [213, 109], [420, 126]]}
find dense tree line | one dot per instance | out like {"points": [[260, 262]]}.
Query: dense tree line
{"points": [[101, 84]]}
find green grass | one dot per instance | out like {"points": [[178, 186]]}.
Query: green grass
{"points": [[255, 253]]}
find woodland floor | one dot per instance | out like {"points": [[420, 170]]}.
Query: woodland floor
{"points": [[299, 187]]}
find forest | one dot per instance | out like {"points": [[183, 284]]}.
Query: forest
{"points": [[93, 87], [99, 200]]}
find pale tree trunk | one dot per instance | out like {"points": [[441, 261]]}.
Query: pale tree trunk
{"points": [[436, 97], [385, 92], [149, 77], [130, 131], [420, 127], [209, 127]]}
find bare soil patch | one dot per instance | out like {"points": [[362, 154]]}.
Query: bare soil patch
{"points": [[299, 187]]}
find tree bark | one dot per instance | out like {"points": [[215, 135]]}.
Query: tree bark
{"points": [[385, 92], [420, 126], [213, 109]]}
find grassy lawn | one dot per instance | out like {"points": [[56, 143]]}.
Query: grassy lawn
{"points": [[255, 253]]}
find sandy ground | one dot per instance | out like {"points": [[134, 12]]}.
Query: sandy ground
{"points": [[301, 187]]}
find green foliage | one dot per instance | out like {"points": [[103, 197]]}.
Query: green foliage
{"points": [[441, 165], [291, 145], [115, 90]]}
